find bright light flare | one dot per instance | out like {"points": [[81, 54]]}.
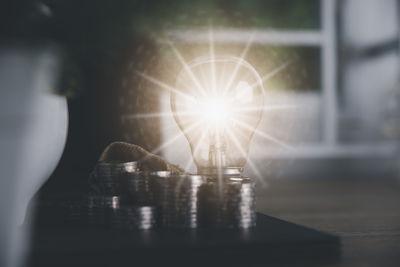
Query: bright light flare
{"points": [[217, 103], [215, 111]]}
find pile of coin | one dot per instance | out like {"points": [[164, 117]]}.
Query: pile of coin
{"points": [[107, 176], [176, 196], [123, 198], [229, 203], [132, 199], [137, 186], [134, 217]]}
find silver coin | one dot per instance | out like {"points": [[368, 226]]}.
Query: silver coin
{"points": [[138, 187], [101, 202], [177, 198], [112, 169], [134, 217], [107, 176], [229, 203], [170, 201]]}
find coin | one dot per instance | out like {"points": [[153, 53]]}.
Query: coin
{"points": [[143, 200], [112, 169], [138, 187], [107, 177], [229, 203], [177, 198], [134, 217]]}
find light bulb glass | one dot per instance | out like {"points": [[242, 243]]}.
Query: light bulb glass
{"points": [[218, 104]]}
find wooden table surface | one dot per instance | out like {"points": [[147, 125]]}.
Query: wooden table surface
{"points": [[365, 213]]}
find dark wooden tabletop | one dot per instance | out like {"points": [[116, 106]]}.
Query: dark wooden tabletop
{"points": [[365, 213]]}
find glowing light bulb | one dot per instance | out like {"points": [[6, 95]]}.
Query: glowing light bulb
{"points": [[218, 105]]}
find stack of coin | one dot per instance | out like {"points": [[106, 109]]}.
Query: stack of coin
{"points": [[99, 209], [114, 169], [229, 203], [133, 199], [134, 217], [118, 212], [124, 200], [177, 199], [108, 176], [138, 187], [160, 184]]}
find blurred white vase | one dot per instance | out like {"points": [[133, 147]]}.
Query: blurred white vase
{"points": [[33, 131]]}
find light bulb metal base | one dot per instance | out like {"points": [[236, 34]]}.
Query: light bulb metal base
{"points": [[224, 171]]}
